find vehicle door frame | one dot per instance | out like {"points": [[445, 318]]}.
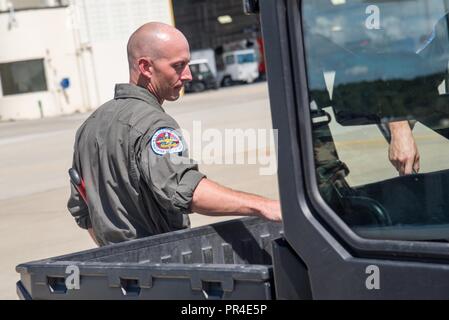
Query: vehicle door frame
{"points": [[337, 259]]}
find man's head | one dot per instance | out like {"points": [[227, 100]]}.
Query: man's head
{"points": [[158, 57]]}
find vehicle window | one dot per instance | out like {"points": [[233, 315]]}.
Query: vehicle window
{"points": [[378, 87], [229, 59], [246, 58], [194, 69], [23, 77], [204, 68]]}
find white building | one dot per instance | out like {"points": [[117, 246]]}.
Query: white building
{"points": [[67, 57]]}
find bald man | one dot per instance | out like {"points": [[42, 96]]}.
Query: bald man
{"points": [[134, 162]]}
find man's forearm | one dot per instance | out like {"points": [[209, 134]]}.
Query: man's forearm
{"points": [[213, 199]]}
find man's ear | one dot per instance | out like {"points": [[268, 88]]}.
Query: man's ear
{"points": [[145, 67]]}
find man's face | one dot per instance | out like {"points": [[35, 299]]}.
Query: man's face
{"points": [[171, 71]]}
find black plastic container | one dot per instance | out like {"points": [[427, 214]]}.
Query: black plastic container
{"points": [[226, 260]]}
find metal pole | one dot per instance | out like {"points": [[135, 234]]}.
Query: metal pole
{"points": [[76, 41], [94, 68], [41, 111]]}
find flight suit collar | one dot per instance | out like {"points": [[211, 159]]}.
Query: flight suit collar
{"points": [[127, 90]]}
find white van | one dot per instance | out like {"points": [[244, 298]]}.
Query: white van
{"points": [[239, 66]]}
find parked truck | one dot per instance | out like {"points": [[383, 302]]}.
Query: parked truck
{"points": [[239, 66], [234, 64], [202, 76], [207, 54], [352, 228]]}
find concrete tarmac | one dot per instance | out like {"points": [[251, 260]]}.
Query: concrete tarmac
{"points": [[34, 185]]}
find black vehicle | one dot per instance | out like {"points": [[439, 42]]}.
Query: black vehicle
{"points": [[352, 228], [202, 77]]}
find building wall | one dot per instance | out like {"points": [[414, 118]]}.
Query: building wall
{"points": [[25, 4], [85, 42], [106, 26], [41, 34]]}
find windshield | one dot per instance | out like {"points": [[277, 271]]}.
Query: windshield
{"points": [[378, 88], [200, 68], [246, 58]]}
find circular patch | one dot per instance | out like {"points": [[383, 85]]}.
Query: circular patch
{"points": [[166, 140]]}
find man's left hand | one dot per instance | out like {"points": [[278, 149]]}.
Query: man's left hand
{"points": [[403, 152]]}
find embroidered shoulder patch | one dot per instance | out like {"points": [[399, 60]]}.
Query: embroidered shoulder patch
{"points": [[166, 140]]}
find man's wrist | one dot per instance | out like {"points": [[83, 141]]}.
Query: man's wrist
{"points": [[260, 205], [400, 129], [398, 125]]}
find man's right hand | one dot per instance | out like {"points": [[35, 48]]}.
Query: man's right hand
{"points": [[272, 210], [403, 152]]}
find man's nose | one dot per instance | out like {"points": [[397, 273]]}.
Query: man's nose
{"points": [[186, 74]]}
